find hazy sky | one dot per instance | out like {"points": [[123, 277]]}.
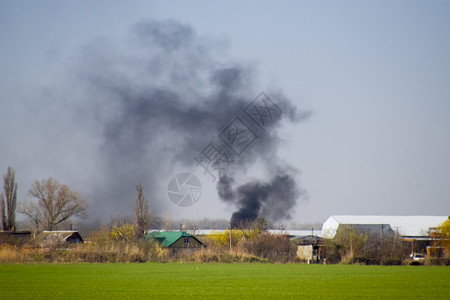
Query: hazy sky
{"points": [[375, 75]]}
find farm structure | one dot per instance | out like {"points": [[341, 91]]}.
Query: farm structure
{"points": [[311, 248], [417, 230]]}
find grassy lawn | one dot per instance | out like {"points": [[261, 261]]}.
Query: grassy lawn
{"points": [[254, 281]]}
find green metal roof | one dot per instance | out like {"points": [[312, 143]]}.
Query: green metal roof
{"points": [[167, 238]]}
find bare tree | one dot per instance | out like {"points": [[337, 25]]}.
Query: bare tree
{"points": [[56, 203], [2, 212], [120, 220], [142, 212], [8, 209]]}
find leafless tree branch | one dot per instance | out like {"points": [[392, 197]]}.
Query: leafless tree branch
{"points": [[56, 203]]}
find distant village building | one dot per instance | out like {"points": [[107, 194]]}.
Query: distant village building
{"points": [[55, 239], [311, 246], [290, 233], [406, 226], [15, 238], [175, 240], [413, 229]]}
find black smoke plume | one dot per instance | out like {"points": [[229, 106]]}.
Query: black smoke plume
{"points": [[156, 99], [272, 200]]}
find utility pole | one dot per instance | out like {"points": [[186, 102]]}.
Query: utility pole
{"points": [[230, 236]]}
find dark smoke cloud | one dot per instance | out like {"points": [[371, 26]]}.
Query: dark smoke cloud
{"points": [[273, 200], [157, 98]]}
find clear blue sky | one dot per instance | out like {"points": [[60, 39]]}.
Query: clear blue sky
{"points": [[376, 76]]}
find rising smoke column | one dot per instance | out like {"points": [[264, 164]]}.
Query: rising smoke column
{"points": [[273, 199], [156, 99]]}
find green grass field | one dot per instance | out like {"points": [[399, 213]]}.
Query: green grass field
{"points": [[249, 281]]}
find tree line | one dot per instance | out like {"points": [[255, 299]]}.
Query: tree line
{"points": [[53, 203]]}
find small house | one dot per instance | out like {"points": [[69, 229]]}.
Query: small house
{"points": [[310, 248], [175, 239], [56, 239]]}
